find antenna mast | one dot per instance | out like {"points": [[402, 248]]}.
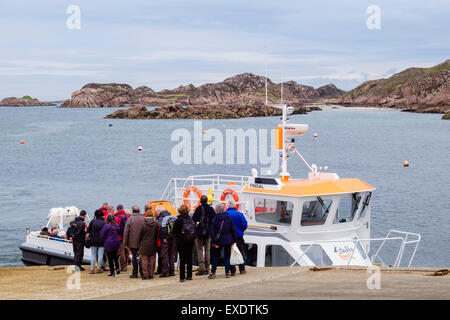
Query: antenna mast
{"points": [[265, 67]]}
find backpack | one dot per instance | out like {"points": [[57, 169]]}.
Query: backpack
{"points": [[123, 222], [188, 230], [72, 229], [203, 227], [168, 223]]}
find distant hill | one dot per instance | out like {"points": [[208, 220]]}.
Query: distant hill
{"points": [[414, 89]]}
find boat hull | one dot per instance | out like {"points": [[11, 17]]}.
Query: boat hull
{"points": [[34, 256]]}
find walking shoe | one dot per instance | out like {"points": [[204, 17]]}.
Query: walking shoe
{"points": [[188, 279], [181, 280], [92, 272], [201, 273], [162, 275], [145, 278], [118, 271], [233, 274], [228, 275], [243, 272], [172, 274], [211, 276], [111, 275], [150, 277], [79, 268], [99, 271], [133, 276]]}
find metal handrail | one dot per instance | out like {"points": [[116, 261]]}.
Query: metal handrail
{"points": [[404, 242]]}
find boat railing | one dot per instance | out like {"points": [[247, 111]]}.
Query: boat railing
{"points": [[42, 241], [404, 240], [216, 182]]}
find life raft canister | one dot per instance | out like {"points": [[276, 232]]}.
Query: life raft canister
{"points": [[227, 192], [186, 195]]}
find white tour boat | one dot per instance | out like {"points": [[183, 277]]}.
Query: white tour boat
{"points": [[321, 220]]}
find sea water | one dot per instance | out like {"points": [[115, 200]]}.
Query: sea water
{"points": [[74, 157]]}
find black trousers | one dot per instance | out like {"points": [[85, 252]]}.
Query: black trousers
{"points": [[78, 252], [137, 265], [185, 251], [113, 259], [243, 249]]}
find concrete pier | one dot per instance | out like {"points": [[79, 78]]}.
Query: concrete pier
{"points": [[259, 283]]}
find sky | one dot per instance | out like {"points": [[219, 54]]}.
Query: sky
{"points": [[163, 44]]}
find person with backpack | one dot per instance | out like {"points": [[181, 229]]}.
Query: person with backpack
{"points": [[240, 224], [97, 244], [121, 218], [110, 235], [166, 223], [223, 235], [148, 245], [185, 234], [203, 216], [131, 238], [77, 234]]}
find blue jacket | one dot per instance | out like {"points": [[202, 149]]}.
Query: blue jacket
{"points": [[227, 234], [239, 221]]}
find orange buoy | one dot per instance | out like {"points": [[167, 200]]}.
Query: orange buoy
{"points": [[22, 142], [186, 195], [227, 192]]}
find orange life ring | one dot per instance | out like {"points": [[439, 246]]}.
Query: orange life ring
{"points": [[227, 192], [186, 194]]}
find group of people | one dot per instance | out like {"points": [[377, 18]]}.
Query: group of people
{"points": [[149, 236]]}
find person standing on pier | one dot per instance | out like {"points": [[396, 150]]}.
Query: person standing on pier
{"points": [[240, 224], [203, 216], [223, 235], [131, 238], [185, 234], [77, 234], [121, 218], [97, 244], [110, 234], [148, 245]]}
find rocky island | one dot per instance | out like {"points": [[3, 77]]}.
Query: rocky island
{"points": [[236, 97], [25, 101]]}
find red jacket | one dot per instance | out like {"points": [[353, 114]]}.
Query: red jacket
{"points": [[120, 214]]}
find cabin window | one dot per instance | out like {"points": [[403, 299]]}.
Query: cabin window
{"points": [[348, 205], [277, 256], [315, 212], [365, 205], [316, 254], [273, 211], [251, 256]]}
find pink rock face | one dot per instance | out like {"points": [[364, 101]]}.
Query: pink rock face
{"points": [[415, 89]]}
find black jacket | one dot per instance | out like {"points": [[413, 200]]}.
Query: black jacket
{"points": [[94, 229], [77, 230], [209, 211]]}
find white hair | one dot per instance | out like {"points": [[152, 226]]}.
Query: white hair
{"points": [[220, 208], [159, 208], [231, 203]]}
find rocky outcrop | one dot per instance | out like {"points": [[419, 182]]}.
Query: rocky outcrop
{"points": [[414, 89], [244, 89], [25, 101], [446, 116], [94, 95], [211, 111]]}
